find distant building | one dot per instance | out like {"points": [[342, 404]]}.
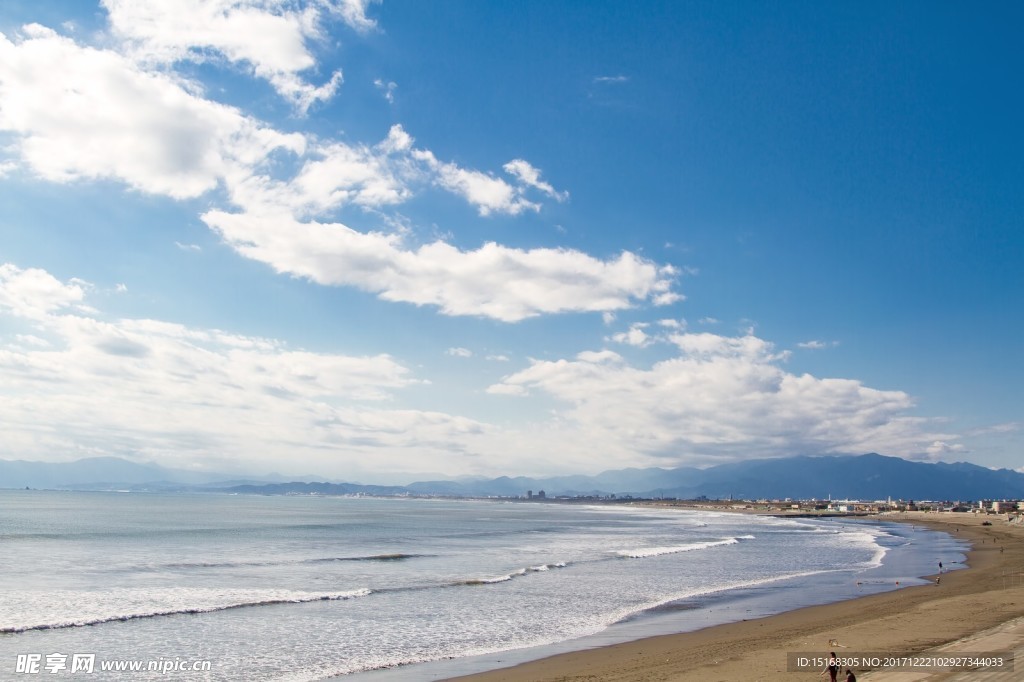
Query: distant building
{"points": [[541, 495], [529, 494]]}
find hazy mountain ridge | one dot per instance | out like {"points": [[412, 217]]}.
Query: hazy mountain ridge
{"points": [[99, 473], [871, 476]]}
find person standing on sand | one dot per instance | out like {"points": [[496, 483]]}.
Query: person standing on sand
{"points": [[832, 668], [850, 677]]}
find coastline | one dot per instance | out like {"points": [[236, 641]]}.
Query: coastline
{"points": [[986, 594]]}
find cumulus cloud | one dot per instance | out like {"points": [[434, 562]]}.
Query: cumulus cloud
{"points": [[177, 393], [636, 336], [83, 113], [719, 398], [79, 113], [333, 175], [940, 449], [492, 281], [34, 293], [272, 36], [459, 352]]}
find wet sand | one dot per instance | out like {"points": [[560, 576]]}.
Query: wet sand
{"points": [[982, 599]]}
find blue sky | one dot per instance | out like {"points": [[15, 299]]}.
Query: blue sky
{"points": [[378, 240]]}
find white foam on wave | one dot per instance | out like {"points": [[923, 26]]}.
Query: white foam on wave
{"points": [[50, 610], [868, 539], [583, 626], [644, 552], [514, 574]]}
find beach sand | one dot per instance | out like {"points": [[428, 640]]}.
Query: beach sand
{"points": [[977, 609]]}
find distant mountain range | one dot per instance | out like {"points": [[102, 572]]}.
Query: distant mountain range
{"points": [[866, 477], [110, 473]]}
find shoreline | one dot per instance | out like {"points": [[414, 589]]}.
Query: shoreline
{"points": [[986, 594]]}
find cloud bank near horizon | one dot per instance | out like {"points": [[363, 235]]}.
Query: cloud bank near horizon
{"points": [[205, 395]]}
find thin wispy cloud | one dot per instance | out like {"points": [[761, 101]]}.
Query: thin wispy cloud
{"points": [[386, 89], [817, 345]]}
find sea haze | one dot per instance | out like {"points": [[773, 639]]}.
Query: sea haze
{"points": [[303, 588]]}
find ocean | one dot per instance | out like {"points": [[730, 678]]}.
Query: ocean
{"points": [[232, 587]]}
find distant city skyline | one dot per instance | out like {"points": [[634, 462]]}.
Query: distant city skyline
{"points": [[365, 238]]}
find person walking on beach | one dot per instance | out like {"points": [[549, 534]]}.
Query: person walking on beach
{"points": [[832, 668]]}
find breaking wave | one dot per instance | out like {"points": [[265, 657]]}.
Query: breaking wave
{"points": [[31, 610], [645, 552]]}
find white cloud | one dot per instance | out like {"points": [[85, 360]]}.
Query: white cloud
{"points": [[397, 140], [611, 79], [709, 320], [188, 247], [488, 193], [333, 175], [636, 336], [507, 389], [84, 113], [459, 352], [79, 112], [273, 36], [720, 398], [817, 345], [354, 13], [667, 298], [940, 449], [492, 281], [31, 340], [530, 176], [33, 293], [387, 89], [179, 394], [498, 358]]}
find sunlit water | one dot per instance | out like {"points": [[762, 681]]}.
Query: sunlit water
{"points": [[309, 587]]}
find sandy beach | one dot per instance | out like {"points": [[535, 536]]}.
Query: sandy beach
{"points": [[977, 609]]}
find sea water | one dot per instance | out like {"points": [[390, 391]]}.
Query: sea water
{"points": [[305, 587]]}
